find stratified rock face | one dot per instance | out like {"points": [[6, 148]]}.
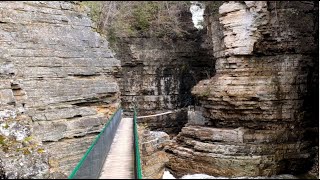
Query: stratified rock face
{"points": [[153, 158], [158, 75], [261, 106], [59, 73]]}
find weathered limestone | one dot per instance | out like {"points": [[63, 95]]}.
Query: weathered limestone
{"points": [[158, 74], [22, 156], [59, 73], [241, 25], [153, 158], [258, 113]]}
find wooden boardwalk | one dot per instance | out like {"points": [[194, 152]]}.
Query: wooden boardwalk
{"points": [[120, 160]]}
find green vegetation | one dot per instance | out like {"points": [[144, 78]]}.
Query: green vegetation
{"points": [[137, 18], [2, 140], [206, 92], [144, 126], [27, 139], [143, 15], [6, 143], [6, 126], [26, 146], [95, 9], [40, 150]]}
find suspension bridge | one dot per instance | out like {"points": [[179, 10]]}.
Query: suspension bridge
{"points": [[114, 154]]}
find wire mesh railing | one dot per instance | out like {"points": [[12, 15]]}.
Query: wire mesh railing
{"points": [[91, 164], [137, 164]]}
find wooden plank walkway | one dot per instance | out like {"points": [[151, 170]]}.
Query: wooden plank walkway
{"points": [[120, 160]]}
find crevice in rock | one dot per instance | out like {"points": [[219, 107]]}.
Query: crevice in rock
{"points": [[76, 116], [158, 76], [84, 75]]}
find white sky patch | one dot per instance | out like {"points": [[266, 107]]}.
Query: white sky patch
{"points": [[167, 175], [197, 10]]}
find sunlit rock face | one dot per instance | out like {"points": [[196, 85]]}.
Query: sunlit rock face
{"points": [[57, 75], [259, 112]]}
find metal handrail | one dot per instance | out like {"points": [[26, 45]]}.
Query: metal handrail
{"points": [[90, 149], [84, 173], [137, 161]]}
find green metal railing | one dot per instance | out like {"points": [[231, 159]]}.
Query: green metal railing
{"points": [[90, 165], [137, 164]]}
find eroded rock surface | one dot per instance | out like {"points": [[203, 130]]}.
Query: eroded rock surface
{"points": [[259, 110], [22, 155], [57, 73], [158, 74], [153, 157]]}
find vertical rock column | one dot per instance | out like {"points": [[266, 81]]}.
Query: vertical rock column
{"points": [[257, 108]]}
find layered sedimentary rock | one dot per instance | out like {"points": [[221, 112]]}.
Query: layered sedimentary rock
{"points": [[158, 74], [153, 158], [56, 73], [259, 110]]}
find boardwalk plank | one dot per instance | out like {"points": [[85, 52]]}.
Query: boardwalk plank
{"points": [[120, 160]]}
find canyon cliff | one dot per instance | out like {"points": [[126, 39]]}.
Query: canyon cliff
{"points": [[57, 86], [158, 74], [258, 113], [244, 90]]}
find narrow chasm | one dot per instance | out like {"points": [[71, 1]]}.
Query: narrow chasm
{"points": [[159, 71], [222, 89], [232, 98]]}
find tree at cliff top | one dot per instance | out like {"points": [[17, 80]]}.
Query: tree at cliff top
{"points": [[138, 18]]}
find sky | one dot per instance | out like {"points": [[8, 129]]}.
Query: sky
{"points": [[197, 13]]}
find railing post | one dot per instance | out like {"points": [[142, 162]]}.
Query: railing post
{"points": [[137, 163]]}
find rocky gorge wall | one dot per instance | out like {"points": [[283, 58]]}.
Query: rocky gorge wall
{"points": [[258, 113], [57, 86], [158, 74]]}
